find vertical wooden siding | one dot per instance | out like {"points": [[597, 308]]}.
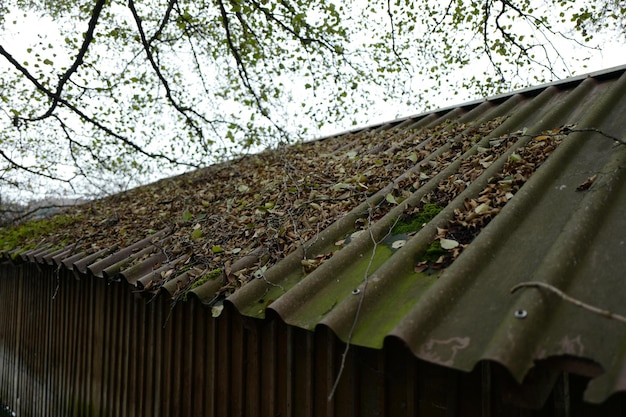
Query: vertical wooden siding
{"points": [[84, 347]]}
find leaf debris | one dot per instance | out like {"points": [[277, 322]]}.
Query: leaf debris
{"points": [[477, 213], [245, 215]]}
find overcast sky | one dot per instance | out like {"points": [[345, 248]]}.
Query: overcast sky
{"points": [[613, 53]]}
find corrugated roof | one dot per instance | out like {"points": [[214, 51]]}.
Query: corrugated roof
{"points": [[526, 187]]}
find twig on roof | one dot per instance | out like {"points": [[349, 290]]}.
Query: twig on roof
{"points": [[606, 135], [566, 130], [565, 297], [361, 291]]}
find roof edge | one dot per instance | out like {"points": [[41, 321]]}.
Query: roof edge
{"points": [[532, 90]]}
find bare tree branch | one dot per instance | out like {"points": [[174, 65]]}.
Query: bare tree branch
{"points": [[23, 215], [24, 168], [596, 130], [83, 116], [565, 297], [243, 71], [568, 129], [393, 37], [164, 21], [88, 38], [168, 91]]}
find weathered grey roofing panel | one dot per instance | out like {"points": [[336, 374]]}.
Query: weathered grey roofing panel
{"points": [[565, 227], [469, 313], [550, 232]]}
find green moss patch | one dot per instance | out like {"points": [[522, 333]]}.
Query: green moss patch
{"points": [[416, 221], [209, 276], [24, 236]]}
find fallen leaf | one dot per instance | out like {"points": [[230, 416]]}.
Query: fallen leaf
{"points": [[398, 244], [515, 157], [585, 185], [216, 311], [448, 243], [482, 208], [341, 186], [391, 199], [196, 234]]}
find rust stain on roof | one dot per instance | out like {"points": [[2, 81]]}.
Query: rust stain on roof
{"points": [[417, 229]]}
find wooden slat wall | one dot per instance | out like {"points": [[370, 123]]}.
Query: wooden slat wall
{"points": [[85, 347]]}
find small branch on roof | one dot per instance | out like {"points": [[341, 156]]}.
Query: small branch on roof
{"points": [[606, 135], [592, 309], [361, 291], [568, 129]]}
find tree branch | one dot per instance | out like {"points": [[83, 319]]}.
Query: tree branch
{"points": [[393, 37], [30, 170], [440, 21], [88, 38], [596, 130], [568, 129], [164, 21], [269, 16], [487, 49], [523, 51], [168, 91], [85, 117], [243, 71], [22, 215], [567, 298], [241, 67]]}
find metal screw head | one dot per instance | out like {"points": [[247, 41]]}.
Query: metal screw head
{"points": [[356, 291], [521, 314]]}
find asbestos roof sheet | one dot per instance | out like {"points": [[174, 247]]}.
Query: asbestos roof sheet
{"points": [[495, 230]]}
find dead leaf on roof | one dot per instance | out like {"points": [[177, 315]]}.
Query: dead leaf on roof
{"points": [[279, 199], [448, 243], [587, 183], [477, 213]]}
